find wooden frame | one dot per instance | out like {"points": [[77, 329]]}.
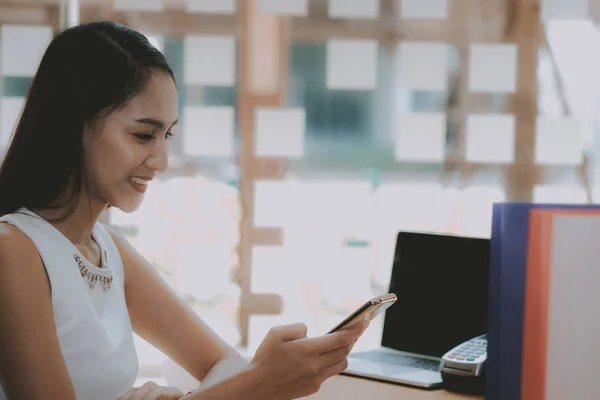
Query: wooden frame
{"points": [[514, 21]]}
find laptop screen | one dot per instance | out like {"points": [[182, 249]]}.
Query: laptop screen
{"points": [[442, 288]]}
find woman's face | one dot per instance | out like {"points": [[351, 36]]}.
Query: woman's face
{"points": [[129, 147]]}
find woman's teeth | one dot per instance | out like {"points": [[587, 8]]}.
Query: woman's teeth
{"points": [[139, 181]]}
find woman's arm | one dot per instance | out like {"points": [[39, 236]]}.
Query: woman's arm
{"points": [[287, 365], [244, 386], [31, 362], [159, 316]]}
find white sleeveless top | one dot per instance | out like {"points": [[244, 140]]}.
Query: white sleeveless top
{"points": [[92, 325]]}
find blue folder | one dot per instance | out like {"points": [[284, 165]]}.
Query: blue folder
{"points": [[508, 268]]}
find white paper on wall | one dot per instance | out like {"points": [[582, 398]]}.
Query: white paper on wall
{"points": [[10, 109], [210, 60], [354, 9], [345, 205], [491, 138], [273, 203], [493, 68], [421, 138], [562, 10], [419, 205], [280, 132], [269, 269], [138, 5], [424, 9], [209, 131], [285, 7], [22, 48], [212, 6], [558, 141], [352, 64], [424, 66]]}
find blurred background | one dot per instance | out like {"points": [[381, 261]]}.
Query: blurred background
{"points": [[312, 131]]}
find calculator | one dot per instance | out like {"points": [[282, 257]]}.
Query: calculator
{"points": [[463, 367]]}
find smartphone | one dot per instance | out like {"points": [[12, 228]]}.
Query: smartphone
{"points": [[366, 312]]}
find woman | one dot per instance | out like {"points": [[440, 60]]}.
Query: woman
{"points": [[93, 134]]}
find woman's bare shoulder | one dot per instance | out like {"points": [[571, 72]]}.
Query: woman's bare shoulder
{"points": [[19, 258], [34, 366], [14, 244]]}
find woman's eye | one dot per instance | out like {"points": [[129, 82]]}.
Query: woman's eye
{"points": [[168, 135], [144, 136]]}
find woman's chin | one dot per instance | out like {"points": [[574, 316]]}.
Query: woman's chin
{"points": [[129, 205]]}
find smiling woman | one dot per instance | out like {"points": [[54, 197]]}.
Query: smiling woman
{"points": [[93, 134], [77, 89], [84, 140], [129, 146]]}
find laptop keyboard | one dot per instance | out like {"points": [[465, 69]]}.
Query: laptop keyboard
{"points": [[398, 359]]}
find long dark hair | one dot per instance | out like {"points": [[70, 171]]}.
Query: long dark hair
{"points": [[87, 72]]}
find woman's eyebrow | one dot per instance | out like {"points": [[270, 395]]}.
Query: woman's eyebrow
{"points": [[154, 122]]}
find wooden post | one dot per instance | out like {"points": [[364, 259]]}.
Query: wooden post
{"points": [[468, 18], [27, 15], [263, 69], [526, 34]]}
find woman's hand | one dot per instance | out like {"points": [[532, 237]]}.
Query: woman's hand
{"points": [[294, 366], [151, 391]]}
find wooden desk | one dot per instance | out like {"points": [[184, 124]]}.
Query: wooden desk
{"points": [[348, 388]]}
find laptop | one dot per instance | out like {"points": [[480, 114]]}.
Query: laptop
{"points": [[442, 287]]}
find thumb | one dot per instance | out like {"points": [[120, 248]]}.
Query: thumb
{"points": [[291, 332]]}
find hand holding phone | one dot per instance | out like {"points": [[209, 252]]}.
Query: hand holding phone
{"points": [[366, 312], [291, 365]]}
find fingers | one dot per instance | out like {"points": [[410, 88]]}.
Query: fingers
{"points": [[358, 327], [291, 332], [160, 392], [336, 368], [336, 340], [335, 356], [153, 394], [139, 393], [127, 396], [146, 388], [152, 391]]}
